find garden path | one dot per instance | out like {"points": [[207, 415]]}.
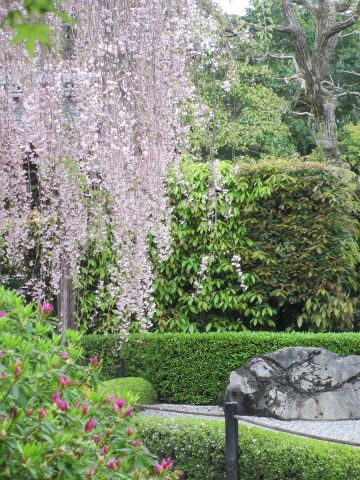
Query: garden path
{"points": [[342, 431]]}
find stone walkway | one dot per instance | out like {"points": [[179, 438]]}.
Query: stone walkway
{"points": [[344, 431]]}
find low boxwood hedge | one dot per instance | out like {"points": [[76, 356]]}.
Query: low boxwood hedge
{"points": [[197, 448], [193, 368]]}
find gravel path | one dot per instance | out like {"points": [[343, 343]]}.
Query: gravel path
{"points": [[344, 431]]}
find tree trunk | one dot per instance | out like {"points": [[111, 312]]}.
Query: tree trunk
{"points": [[66, 304], [325, 131]]}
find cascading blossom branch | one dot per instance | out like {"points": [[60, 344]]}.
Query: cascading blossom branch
{"points": [[88, 133]]}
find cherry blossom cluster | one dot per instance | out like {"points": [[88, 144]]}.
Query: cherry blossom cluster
{"points": [[89, 130]]}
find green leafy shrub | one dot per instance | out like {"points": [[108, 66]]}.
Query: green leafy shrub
{"points": [[293, 224], [198, 447], [139, 389], [54, 422], [349, 142], [193, 368]]}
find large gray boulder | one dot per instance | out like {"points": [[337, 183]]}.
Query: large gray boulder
{"points": [[298, 383]]}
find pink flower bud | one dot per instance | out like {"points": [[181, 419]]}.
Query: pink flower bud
{"points": [[84, 410], [1, 353], [64, 355], [111, 398], [94, 361], [116, 408], [64, 381], [90, 425], [129, 431], [28, 412], [45, 308], [96, 439], [90, 473], [3, 375], [112, 464], [120, 402], [42, 412], [78, 404], [105, 449], [137, 443], [55, 396], [17, 371], [128, 412], [2, 313], [13, 412]]}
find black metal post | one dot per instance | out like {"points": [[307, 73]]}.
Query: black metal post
{"points": [[231, 442]]}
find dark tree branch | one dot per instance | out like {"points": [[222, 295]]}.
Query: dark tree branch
{"points": [[307, 4], [343, 7], [340, 26]]}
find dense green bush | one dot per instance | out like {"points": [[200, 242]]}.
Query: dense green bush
{"points": [[193, 368], [293, 224], [54, 421], [349, 142], [139, 389], [198, 449]]}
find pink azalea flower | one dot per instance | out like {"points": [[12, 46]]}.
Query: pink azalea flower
{"points": [[84, 410], [96, 439], [165, 464], [45, 308], [94, 361], [64, 381], [128, 412], [111, 398], [90, 425], [61, 404], [42, 412], [2, 313], [158, 469]]}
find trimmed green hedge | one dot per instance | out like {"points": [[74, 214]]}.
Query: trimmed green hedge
{"points": [[193, 368], [197, 448]]}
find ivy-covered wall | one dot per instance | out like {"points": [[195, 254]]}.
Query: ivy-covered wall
{"points": [[295, 227]]}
